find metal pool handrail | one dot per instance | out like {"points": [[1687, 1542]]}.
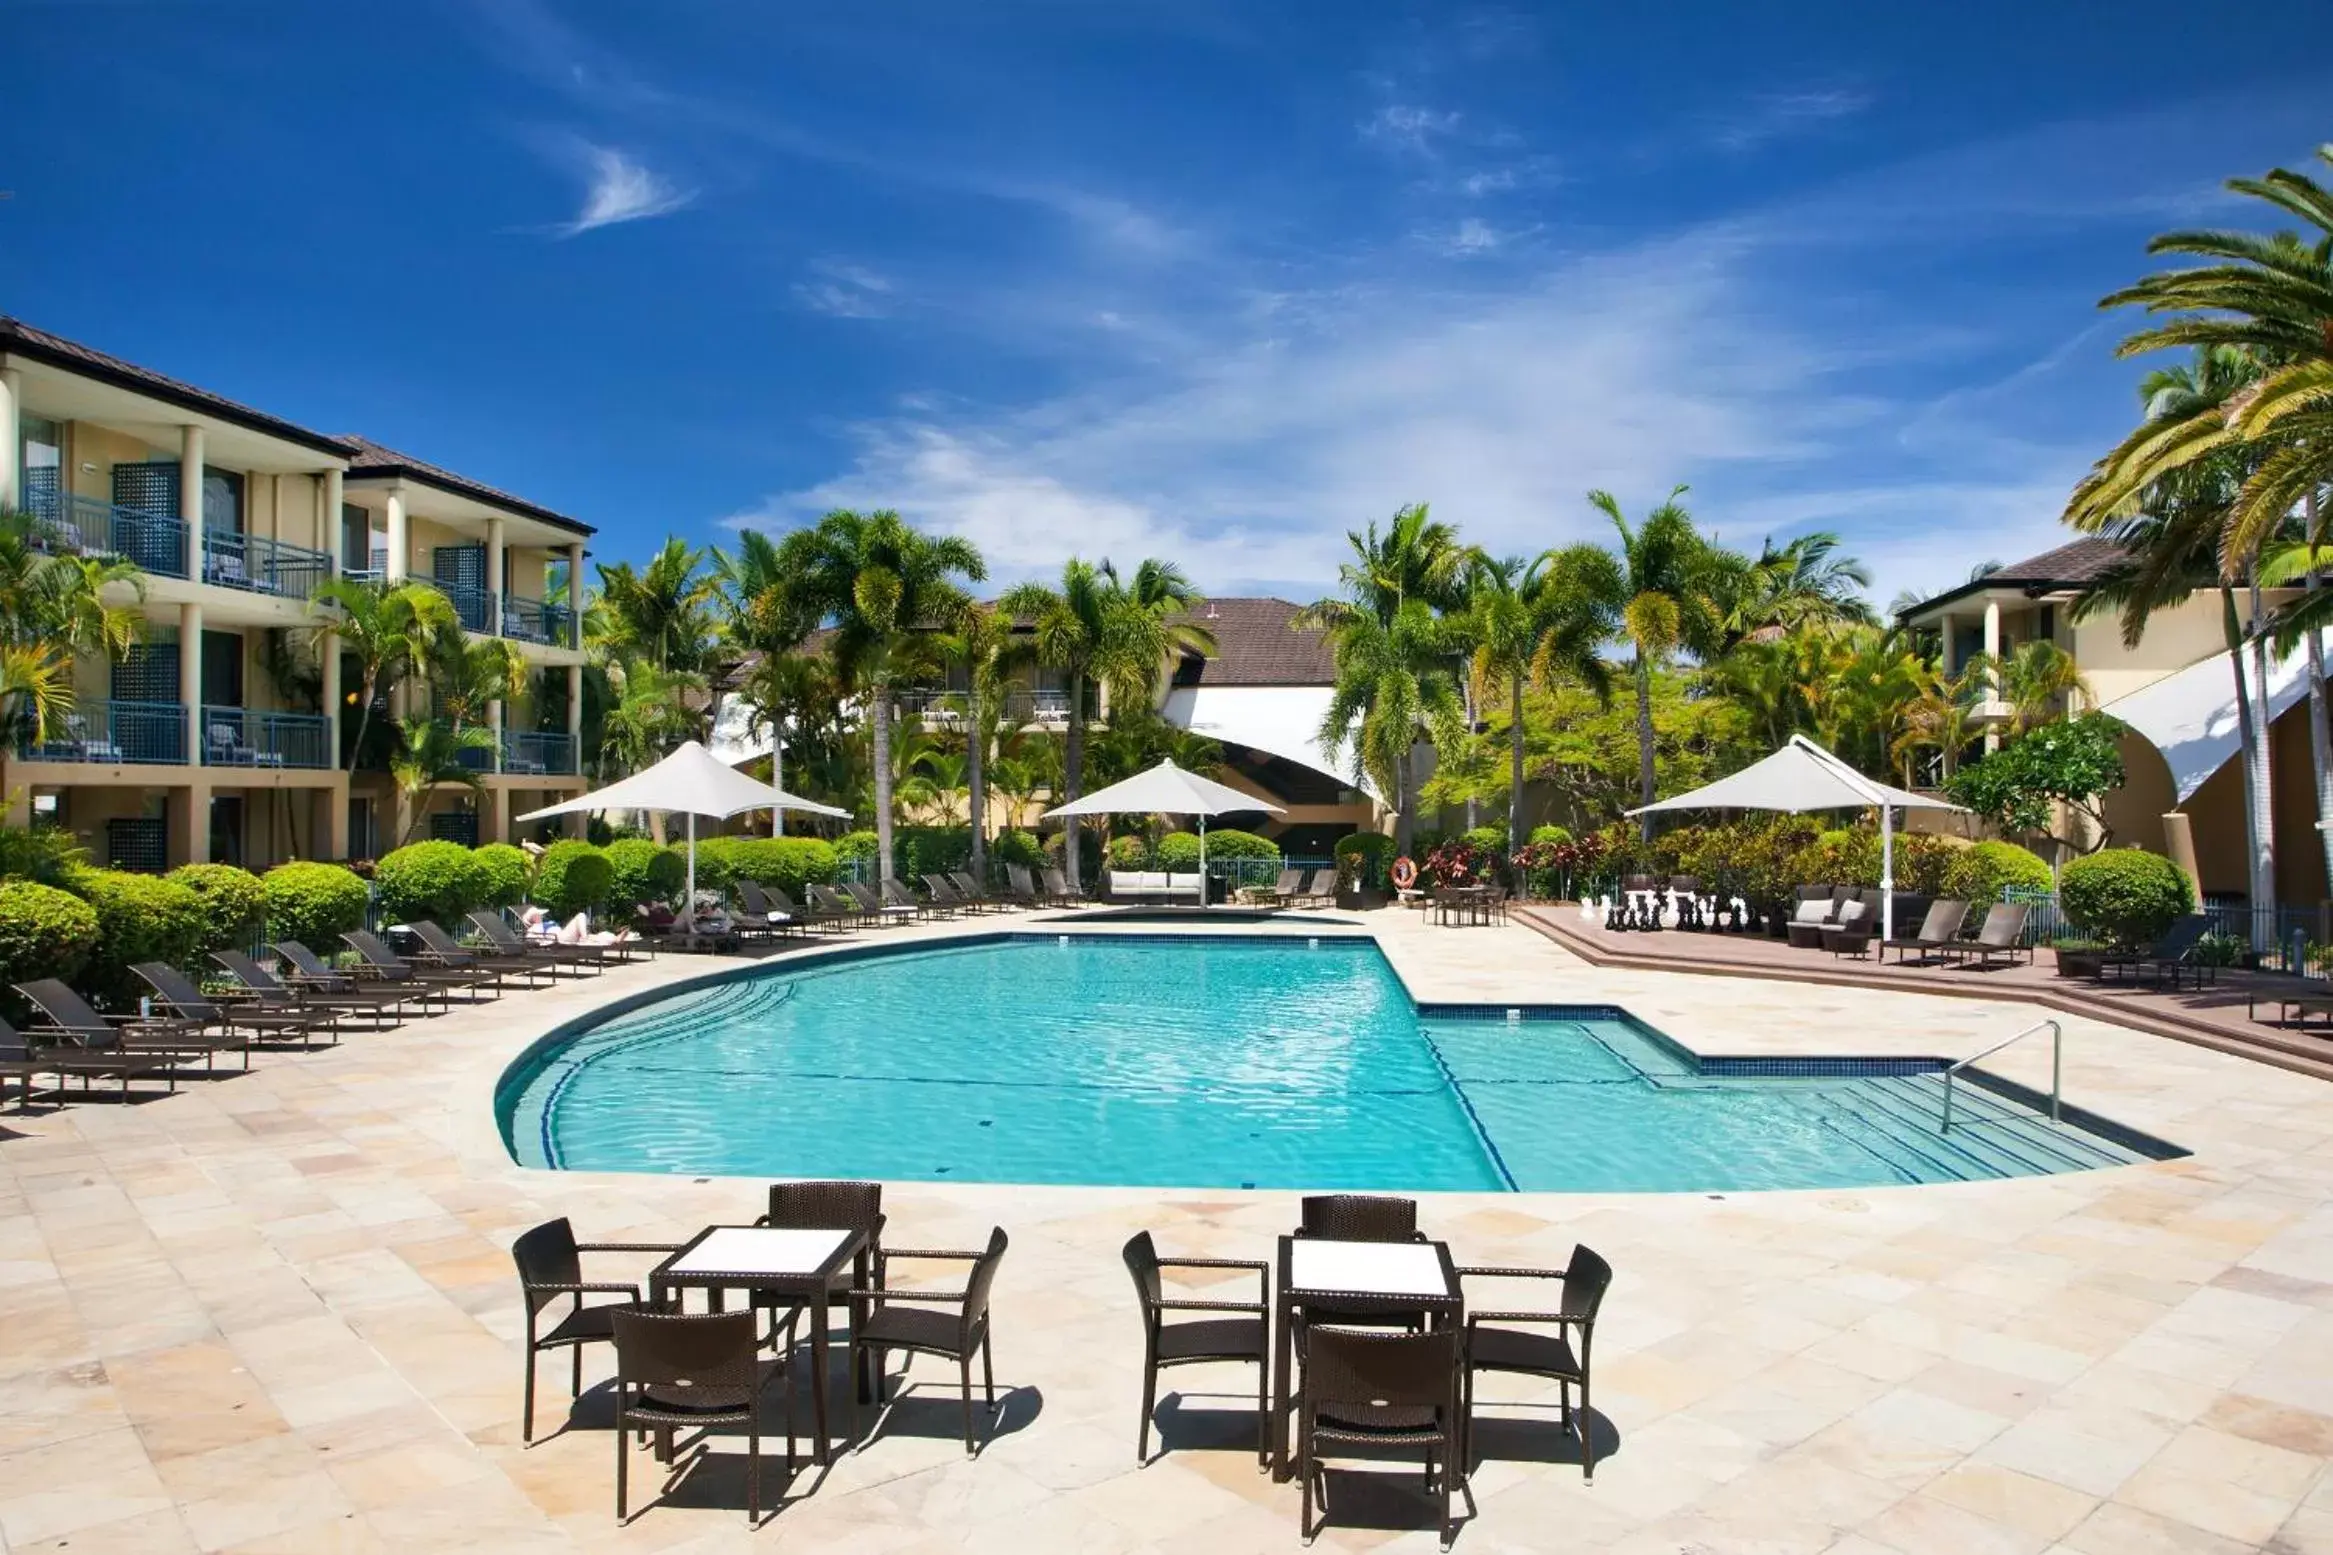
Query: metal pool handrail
{"points": [[2057, 1067]]}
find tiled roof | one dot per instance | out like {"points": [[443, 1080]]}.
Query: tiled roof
{"points": [[1255, 645], [21, 339], [2073, 565], [371, 459]]}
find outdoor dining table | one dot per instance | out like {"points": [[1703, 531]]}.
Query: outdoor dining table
{"points": [[1470, 902], [1395, 1278], [788, 1262]]}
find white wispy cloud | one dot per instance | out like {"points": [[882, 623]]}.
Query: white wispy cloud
{"points": [[620, 189], [845, 290], [1409, 126], [1779, 115]]}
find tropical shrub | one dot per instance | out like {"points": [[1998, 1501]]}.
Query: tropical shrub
{"points": [[48, 854], [44, 932], [234, 903], [1018, 847], [923, 850], [1132, 853], [2127, 895], [504, 871], [1979, 873], [1234, 843], [440, 880], [1491, 839], [571, 877], [856, 847], [139, 918], [717, 861], [789, 863], [640, 873], [1551, 834], [314, 903], [1459, 862], [1362, 860], [1089, 854], [1177, 850]]}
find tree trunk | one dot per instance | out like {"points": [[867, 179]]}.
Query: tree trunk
{"points": [[1473, 818], [976, 775], [1405, 826], [1073, 781], [364, 716], [2260, 847], [2320, 720], [882, 724], [1644, 741], [1515, 775]]}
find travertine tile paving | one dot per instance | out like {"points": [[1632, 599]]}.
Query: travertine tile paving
{"points": [[276, 1312]]}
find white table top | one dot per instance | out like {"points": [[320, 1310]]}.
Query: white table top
{"points": [[1376, 1268], [760, 1250]]}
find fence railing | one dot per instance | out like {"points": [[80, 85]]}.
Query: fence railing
{"points": [[241, 737], [1017, 707], [155, 542], [473, 606], [262, 566], [375, 568], [2292, 937], [538, 620], [114, 734], [538, 751]]}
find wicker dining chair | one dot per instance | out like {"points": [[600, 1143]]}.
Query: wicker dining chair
{"points": [[1245, 1338], [888, 1319], [550, 1265], [692, 1371], [828, 1206], [1373, 1392], [1360, 1217], [1534, 1351]]}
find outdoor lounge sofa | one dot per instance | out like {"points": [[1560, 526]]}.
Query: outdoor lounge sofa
{"points": [[1155, 886]]}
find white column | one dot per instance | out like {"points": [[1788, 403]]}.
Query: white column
{"points": [[11, 439], [575, 708], [1950, 625], [190, 680], [334, 495], [1993, 651], [400, 540], [494, 575], [190, 495], [494, 722], [575, 594]]}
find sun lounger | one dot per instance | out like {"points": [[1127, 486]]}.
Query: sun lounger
{"points": [[972, 891], [1936, 934], [945, 899], [2002, 935], [2169, 958], [176, 990], [25, 1057], [306, 969], [386, 964], [71, 1020], [835, 905], [510, 942], [898, 902], [1057, 891], [377, 1000], [1020, 887], [440, 948]]}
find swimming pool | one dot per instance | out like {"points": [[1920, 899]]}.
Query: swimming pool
{"points": [[1182, 1062]]}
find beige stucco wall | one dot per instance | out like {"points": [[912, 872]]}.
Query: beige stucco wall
{"points": [[2175, 638]]}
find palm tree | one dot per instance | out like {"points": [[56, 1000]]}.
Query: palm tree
{"points": [[428, 757], [2034, 679], [1805, 581], [52, 607], [1665, 588], [646, 716], [1396, 682], [985, 646], [388, 627], [1533, 618], [2167, 499], [1098, 628], [885, 587], [661, 612]]}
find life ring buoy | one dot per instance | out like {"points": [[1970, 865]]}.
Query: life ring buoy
{"points": [[1405, 873]]}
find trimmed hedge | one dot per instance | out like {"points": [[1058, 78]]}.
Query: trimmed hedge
{"points": [[1979, 873], [2127, 896], [139, 918], [1234, 843], [853, 846], [1176, 850], [234, 903], [314, 903], [506, 870], [1363, 858], [44, 932], [641, 873], [1551, 834], [1018, 847], [440, 880], [1134, 853], [1491, 839], [573, 876]]}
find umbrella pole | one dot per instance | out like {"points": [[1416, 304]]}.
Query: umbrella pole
{"points": [[1202, 863], [691, 898], [1887, 874]]}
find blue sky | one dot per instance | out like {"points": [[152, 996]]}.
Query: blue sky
{"points": [[1207, 280]]}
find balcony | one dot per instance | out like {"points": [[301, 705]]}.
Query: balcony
{"points": [[241, 737], [934, 706], [259, 565], [532, 752], [473, 606], [114, 734], [68, 525], [538, 621], [375, 570]]}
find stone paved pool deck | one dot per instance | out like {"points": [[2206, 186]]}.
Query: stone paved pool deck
{"points": [[277, 1312]]}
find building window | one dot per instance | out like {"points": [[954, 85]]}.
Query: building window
{"points": [[41, 457], [222, 669], [222, 501]]}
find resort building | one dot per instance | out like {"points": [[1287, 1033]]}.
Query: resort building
{"points": [[2175, 688], [215, 738]]}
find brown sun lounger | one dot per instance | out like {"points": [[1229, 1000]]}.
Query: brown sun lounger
{"points": [[2168, 959], [510, 942], [378, 1001], [176, 990], [440, 948], [25, 1057], [71, 1020], [1936, 934], [309, 970], [2002, 935], [389, 966]]}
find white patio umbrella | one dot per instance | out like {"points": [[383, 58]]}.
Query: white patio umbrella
{"points": [[692, 781], [1167, 789], [1803, 776]]}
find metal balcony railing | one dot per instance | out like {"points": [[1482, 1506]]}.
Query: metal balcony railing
{"points": [[375, 569], [1020, 707], [114, 734], [538, 620], [262, 566], [473, 606], [531, 751], [242, 737], [66, 524]]}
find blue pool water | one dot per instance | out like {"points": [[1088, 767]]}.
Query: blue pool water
{"points": [[1212, 1063]]}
